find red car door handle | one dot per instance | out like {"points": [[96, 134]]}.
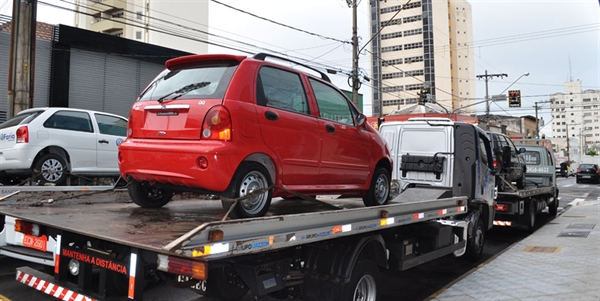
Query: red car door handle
{"points": [[330, 128], [271, 115]]}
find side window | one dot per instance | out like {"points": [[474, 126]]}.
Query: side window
{"points": [[482, 152], [110, 125], [276, 88], [70, 120], [332, 105]]}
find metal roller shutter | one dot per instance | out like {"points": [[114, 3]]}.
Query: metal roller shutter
{"points": [[86, 85]]}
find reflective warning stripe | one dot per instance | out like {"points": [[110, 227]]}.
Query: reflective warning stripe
{"points": [[503, 223], [50, 288], [57, 253], [132, 267]]}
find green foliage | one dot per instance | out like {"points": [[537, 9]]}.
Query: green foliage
{"points": [[592, 153]]}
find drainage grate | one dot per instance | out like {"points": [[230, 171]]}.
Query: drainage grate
{"points": [[567, 233], [581, 226], [541, 249]]}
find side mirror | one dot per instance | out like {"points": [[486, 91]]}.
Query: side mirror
{"points": [[522, 150], [360, 120]]}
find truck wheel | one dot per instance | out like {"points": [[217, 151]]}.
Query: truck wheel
{"points": [[364, 282], [553, 207], [379, 191], [250, 177], [476, 242], [147, 195], [532, 212], [225, 284], [50, 168]]}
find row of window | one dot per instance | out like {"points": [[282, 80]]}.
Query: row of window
{"points": [[400, 20], [391, 35], [391, 48], [407, 60], [399, 7], [413, 73], [413, 87], [392, 89], [413, 32], [413, 45], [395, 102], [391, 75]]}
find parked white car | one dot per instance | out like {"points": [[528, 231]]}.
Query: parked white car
{"points": [[48, 144]]}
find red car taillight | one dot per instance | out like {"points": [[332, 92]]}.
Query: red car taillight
{"points": [[217, 124], [23, 134], [129, 123], [578, 170]]}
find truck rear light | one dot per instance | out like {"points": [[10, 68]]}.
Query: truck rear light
{"points": [[217, 124], [23, 134], [501, 207], [27, 228], [179, 266], [495, 163]]}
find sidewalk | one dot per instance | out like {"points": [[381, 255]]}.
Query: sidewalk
{"points": [[559, 261]]}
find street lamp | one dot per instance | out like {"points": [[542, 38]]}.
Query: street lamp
{"points": [[526, 74]]}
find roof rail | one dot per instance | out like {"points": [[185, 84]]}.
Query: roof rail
{"points": [[262, 56]]}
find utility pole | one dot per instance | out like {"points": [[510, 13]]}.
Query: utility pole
{"points": [[21, 69], [568, 150], [487, 76], [355, 81], [537, 122]]}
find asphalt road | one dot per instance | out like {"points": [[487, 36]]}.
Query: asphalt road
{"points": [[419, 283]]}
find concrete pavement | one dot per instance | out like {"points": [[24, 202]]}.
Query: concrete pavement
{"points": [[559, 261]]}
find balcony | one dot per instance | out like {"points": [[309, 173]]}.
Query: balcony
{"points": [[106, 6], [109, 25]]}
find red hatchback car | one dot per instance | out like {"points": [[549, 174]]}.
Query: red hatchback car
{"points": [[232, 125]]}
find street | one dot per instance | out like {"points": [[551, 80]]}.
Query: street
{"points": [[418, 283]]}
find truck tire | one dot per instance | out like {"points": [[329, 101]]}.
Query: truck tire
{"points": [[147, 195], [379, 191], [553, 207], [531, 213], [476, 242], [250, 176], [364, 283], [50, 168], [225, 284]]}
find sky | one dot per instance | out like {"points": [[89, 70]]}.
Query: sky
{"points": [[553, 41]]}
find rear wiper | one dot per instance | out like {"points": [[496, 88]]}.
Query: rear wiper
{"points": [[184, 90]]}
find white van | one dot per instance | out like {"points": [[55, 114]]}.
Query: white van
{"points": [[441, 153]]}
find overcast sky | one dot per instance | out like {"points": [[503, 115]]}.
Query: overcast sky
{"points": [[552, 40]]}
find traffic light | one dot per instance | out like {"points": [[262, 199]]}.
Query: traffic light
{"points": [[514, 98]]}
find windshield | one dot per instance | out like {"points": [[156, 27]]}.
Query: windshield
{"points": [[23, 118], [216, 77]]}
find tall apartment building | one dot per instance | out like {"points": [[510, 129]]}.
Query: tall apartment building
{"points": [[165, 23], [424, 43], [575, 116]]}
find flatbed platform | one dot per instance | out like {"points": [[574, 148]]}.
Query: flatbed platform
{"points": [[527, 192], [182, 226]]}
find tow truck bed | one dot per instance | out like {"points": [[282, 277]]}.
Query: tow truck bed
{"points": [[526, 192], [182, 227]]}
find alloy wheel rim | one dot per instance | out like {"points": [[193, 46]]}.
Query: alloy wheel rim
{"points": [[52, 170]]}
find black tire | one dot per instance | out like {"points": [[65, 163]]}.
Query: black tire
{"points": [[147, 195], [476, 242], [379, 191], [553, 207], [50, 168], [225, 284], [249, 177], [364, 283], [531, 213], [577, 180]]}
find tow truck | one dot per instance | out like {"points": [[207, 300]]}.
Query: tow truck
{"points": [[519, 207], [309, 248]]}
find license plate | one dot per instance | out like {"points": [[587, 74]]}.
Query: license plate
{"points": [[199, 286], [585, 177], [35, 242]]}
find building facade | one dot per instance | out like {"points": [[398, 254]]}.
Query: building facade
{"points": [[423, 44], [180, 25], [575, 119]]}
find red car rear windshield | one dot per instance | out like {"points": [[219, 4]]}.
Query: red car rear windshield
{"points": [[207, 80]]}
